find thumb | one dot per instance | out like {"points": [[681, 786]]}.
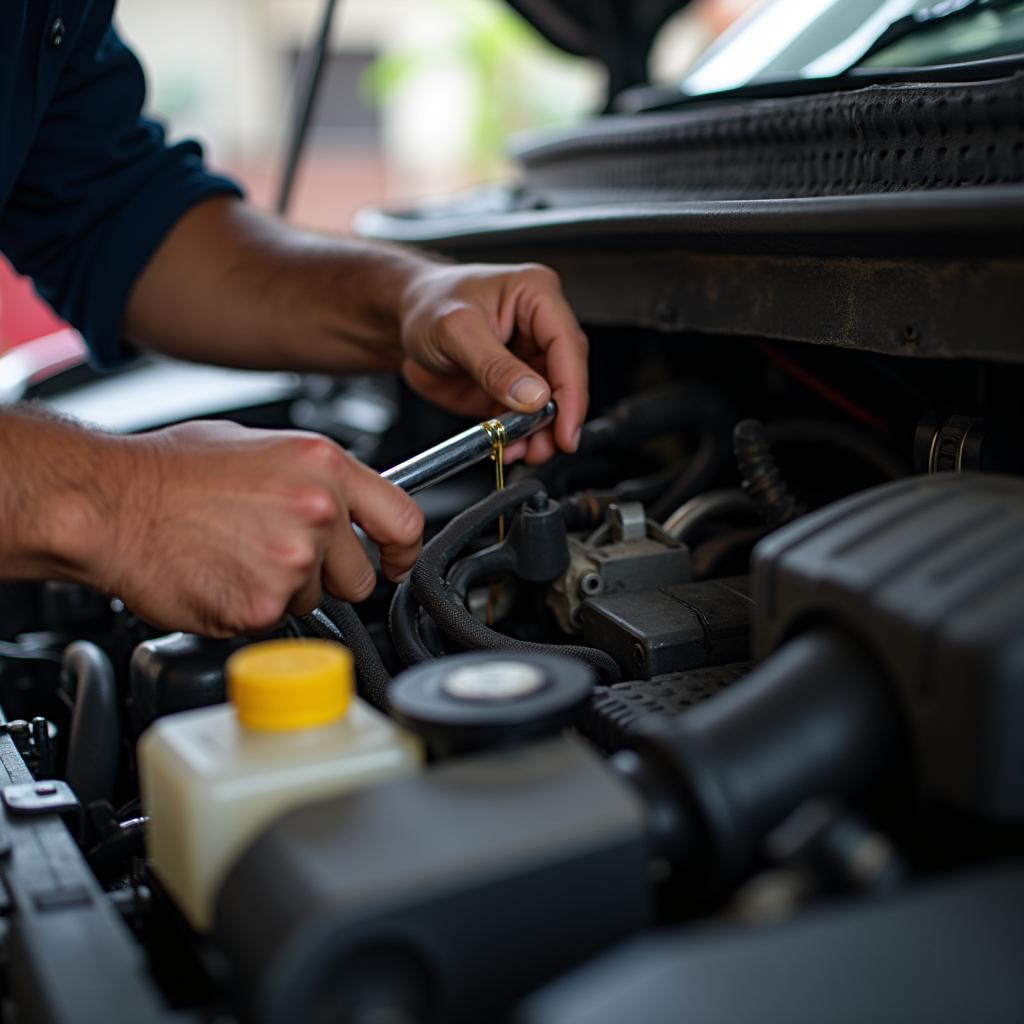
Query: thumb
{"points": [[467, 341]]}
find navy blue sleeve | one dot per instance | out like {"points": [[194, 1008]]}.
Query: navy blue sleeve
{"points": [[100, 189]]}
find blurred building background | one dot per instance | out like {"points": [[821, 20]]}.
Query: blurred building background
{"points": [[418, 99]]}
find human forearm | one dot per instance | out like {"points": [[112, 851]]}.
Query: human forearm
{"points": [[233, 286], [206, 527], [55, 498]]}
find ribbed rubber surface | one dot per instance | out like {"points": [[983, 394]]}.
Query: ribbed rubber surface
{"points": [[928, 574], [891, 138], [615, 708]]}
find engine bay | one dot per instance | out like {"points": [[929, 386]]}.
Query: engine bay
{"points": [[748, 664]]}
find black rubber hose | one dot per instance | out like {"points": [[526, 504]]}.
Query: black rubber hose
{"points": [[814, 719], [405, 608], [404, 629], [689, 405], [452, 617], [650, 413], [585, 510], [762, 481], [839, 435], [95, 735], [489, 562], [337, 620], [713, 455]]}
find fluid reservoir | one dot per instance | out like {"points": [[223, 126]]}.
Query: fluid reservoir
{"points": [[293, 732]]}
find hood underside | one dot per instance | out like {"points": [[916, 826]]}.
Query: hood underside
{"points": [[619, 35]]}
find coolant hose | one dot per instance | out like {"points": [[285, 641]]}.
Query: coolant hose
{"points": [[762, 481], [586, 510], [858, 443], [650, 413], [404, 629], [683, 406], [337, 620], [713, 423], [95, 736], [452, 616]]}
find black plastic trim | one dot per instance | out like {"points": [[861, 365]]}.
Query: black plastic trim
{"points": [[992, 215], [71, 958]]}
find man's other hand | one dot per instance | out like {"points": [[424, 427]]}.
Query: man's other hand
{"points": [[482, 339], [230, 285]]}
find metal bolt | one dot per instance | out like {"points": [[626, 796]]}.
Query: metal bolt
{"points": [[627, 520], [639, 655], [591, 584]]}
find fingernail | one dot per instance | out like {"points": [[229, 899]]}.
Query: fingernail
{"points": [[527, 391], [576, 439]]}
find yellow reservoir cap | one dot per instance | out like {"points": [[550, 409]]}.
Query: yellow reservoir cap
{"points": [[290, 684]]}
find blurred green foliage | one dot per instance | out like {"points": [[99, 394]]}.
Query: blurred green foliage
{"points": [[502, 55]]}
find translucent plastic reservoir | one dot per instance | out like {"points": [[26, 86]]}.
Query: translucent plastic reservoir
{"points": [[213, 778]]}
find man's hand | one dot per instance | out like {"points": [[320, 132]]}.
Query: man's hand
{"points": [[207, 527], [223, 529], [230, 285], [481, 339]]}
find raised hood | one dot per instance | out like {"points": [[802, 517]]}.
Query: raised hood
{"points": [[619, 34]]}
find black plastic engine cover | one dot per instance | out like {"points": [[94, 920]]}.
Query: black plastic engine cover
{"points": [[928, 574], [673, 628], [470, 884], [946, 953]]}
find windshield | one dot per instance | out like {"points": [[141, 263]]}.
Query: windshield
{"points": [[993, 30], [789, 39]]}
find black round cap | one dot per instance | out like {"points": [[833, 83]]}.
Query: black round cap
{"points": [[489, 698]]}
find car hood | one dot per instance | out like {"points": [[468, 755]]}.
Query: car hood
{"points": [[619, 35], [776, 47]]}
